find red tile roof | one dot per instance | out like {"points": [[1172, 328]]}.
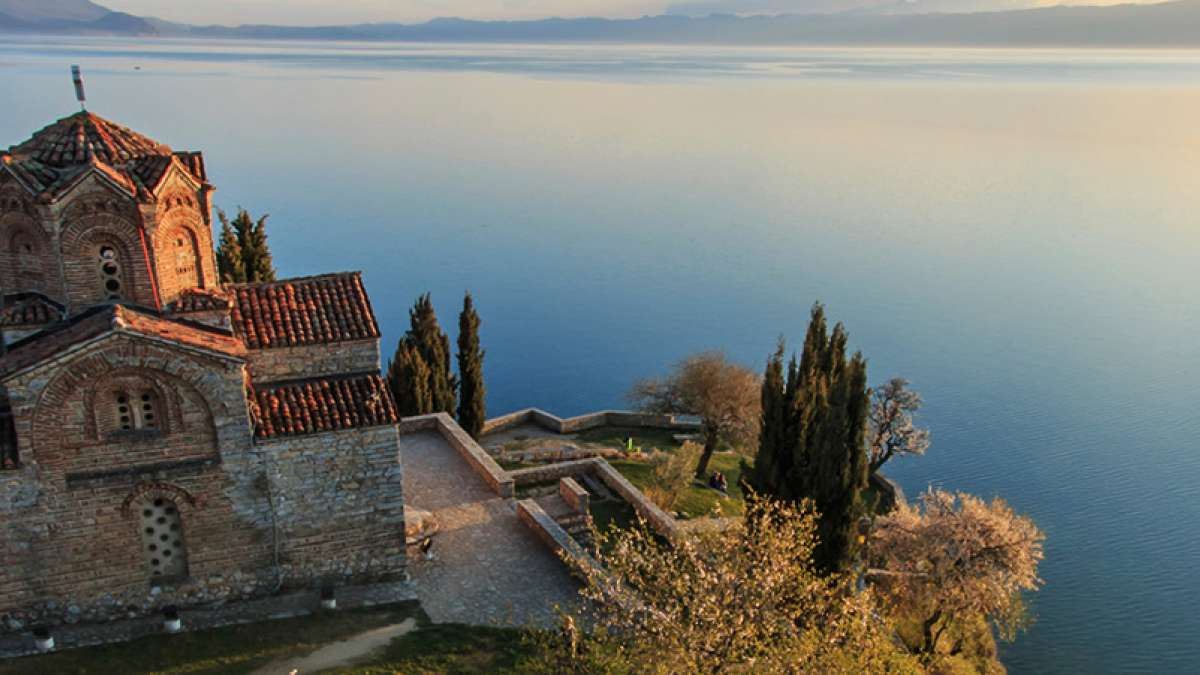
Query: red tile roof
{"points": [[28, 309], [318, 405], [199, 300], [79, 138], [55, 157], [119, 319], [304, 311]]}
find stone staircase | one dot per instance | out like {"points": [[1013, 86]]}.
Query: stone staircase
{"points": [[576, 524]]}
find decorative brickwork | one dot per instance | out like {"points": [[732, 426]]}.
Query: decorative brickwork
{"points": [[164, 441]]}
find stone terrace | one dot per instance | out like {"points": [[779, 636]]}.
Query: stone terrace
{"points": [[488, 567]]}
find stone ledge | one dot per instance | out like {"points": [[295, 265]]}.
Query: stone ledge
{"points": [[570, 425], [497, 478], [551, 533]]}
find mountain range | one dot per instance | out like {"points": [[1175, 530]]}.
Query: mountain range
{"points": [[1168, 24]]}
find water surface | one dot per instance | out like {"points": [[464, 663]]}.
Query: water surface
{"points": [[1014, 231]]}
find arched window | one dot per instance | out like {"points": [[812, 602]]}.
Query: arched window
{"points": [[136, 411], [110, 273], [162, 540], [185, 260]]}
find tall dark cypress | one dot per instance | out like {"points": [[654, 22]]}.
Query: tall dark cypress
{"points": [[408, 378], [230, 264], [432, 343], [243, 254], [772, 429], [812, 444], [472, 410]]}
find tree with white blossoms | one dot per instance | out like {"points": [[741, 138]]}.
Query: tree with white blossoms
{"points": [[741, 599], [891, 430], [956, 559]]}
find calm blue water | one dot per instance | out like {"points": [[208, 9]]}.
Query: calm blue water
{"points": [[1018, 233]]}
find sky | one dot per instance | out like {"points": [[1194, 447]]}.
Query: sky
{"points": [[326, 12]]}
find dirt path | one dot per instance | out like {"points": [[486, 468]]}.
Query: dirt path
{"points": [[339, 654]]}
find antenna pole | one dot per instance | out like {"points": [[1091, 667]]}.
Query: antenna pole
{"points": [[79, 95]]}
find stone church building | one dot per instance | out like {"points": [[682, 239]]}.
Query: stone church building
{"points": [[166, 439]]}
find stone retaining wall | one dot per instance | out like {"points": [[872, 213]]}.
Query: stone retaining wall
{"points": [[572, 425], [574, 495], [482, 463], [551, 533], [661, 521]]}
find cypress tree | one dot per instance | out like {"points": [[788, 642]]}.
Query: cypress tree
{"points": [[256, 254], [472, 393], [772, 428], [812, 444], [243, 254], [431, 342], [408, 378], [230, 265]]}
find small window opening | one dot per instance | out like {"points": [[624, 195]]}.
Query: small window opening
{"points": [[110, 272], [162, 540]]}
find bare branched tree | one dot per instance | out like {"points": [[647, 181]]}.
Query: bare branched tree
{"points": [[724, 395], [890, 427]]}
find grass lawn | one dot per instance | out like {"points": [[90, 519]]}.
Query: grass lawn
{"points": [[696, 501], [244, 648], [614, 437]]}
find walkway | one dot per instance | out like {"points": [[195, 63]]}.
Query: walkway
{"points": [[488, 567]]}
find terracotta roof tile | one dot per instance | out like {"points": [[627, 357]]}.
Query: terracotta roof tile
{"points": [[30, 309], [319, 405], [116, 318], [305, 311], [54, 157], [199, 300], [79, 138]]}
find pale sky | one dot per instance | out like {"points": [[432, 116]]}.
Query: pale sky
{"points": [[327, 12]]}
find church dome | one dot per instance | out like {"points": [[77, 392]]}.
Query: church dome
{"points": [[84, 137]]}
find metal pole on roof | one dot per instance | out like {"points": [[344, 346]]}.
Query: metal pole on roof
{"points": [[79, 95]]}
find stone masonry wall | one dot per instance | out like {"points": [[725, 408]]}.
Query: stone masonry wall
{"points": [[338, 505], [72, 546], [294, 363], [255, 518]]}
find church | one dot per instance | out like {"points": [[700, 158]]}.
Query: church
{"points": [[166, 439]]}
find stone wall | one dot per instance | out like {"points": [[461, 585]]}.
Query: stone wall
{"points": [[482, 463], [573, 425], [574, 495], [249, 519], [551, 533], [339, 507], [661, 521], [296, 363]]}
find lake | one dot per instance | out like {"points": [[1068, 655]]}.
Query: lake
{"points": [[1017, 232]]}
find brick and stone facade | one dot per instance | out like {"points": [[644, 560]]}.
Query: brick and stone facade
{"points": [[165, 440]]}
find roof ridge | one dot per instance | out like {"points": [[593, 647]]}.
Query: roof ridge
{"points": [[293, 280]]}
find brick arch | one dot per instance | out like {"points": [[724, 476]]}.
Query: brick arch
{"points": [[178, 375], [153, 490], [82, 240], [180, 267], [167, 390], [25, 254]]}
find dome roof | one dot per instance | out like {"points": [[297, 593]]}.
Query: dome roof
{"points": [[56, 157], [84, 137]]}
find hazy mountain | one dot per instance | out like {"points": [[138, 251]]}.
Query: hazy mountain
{"points": [[747, 7], [1170, 24], [32, 11], [72, 17]]}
